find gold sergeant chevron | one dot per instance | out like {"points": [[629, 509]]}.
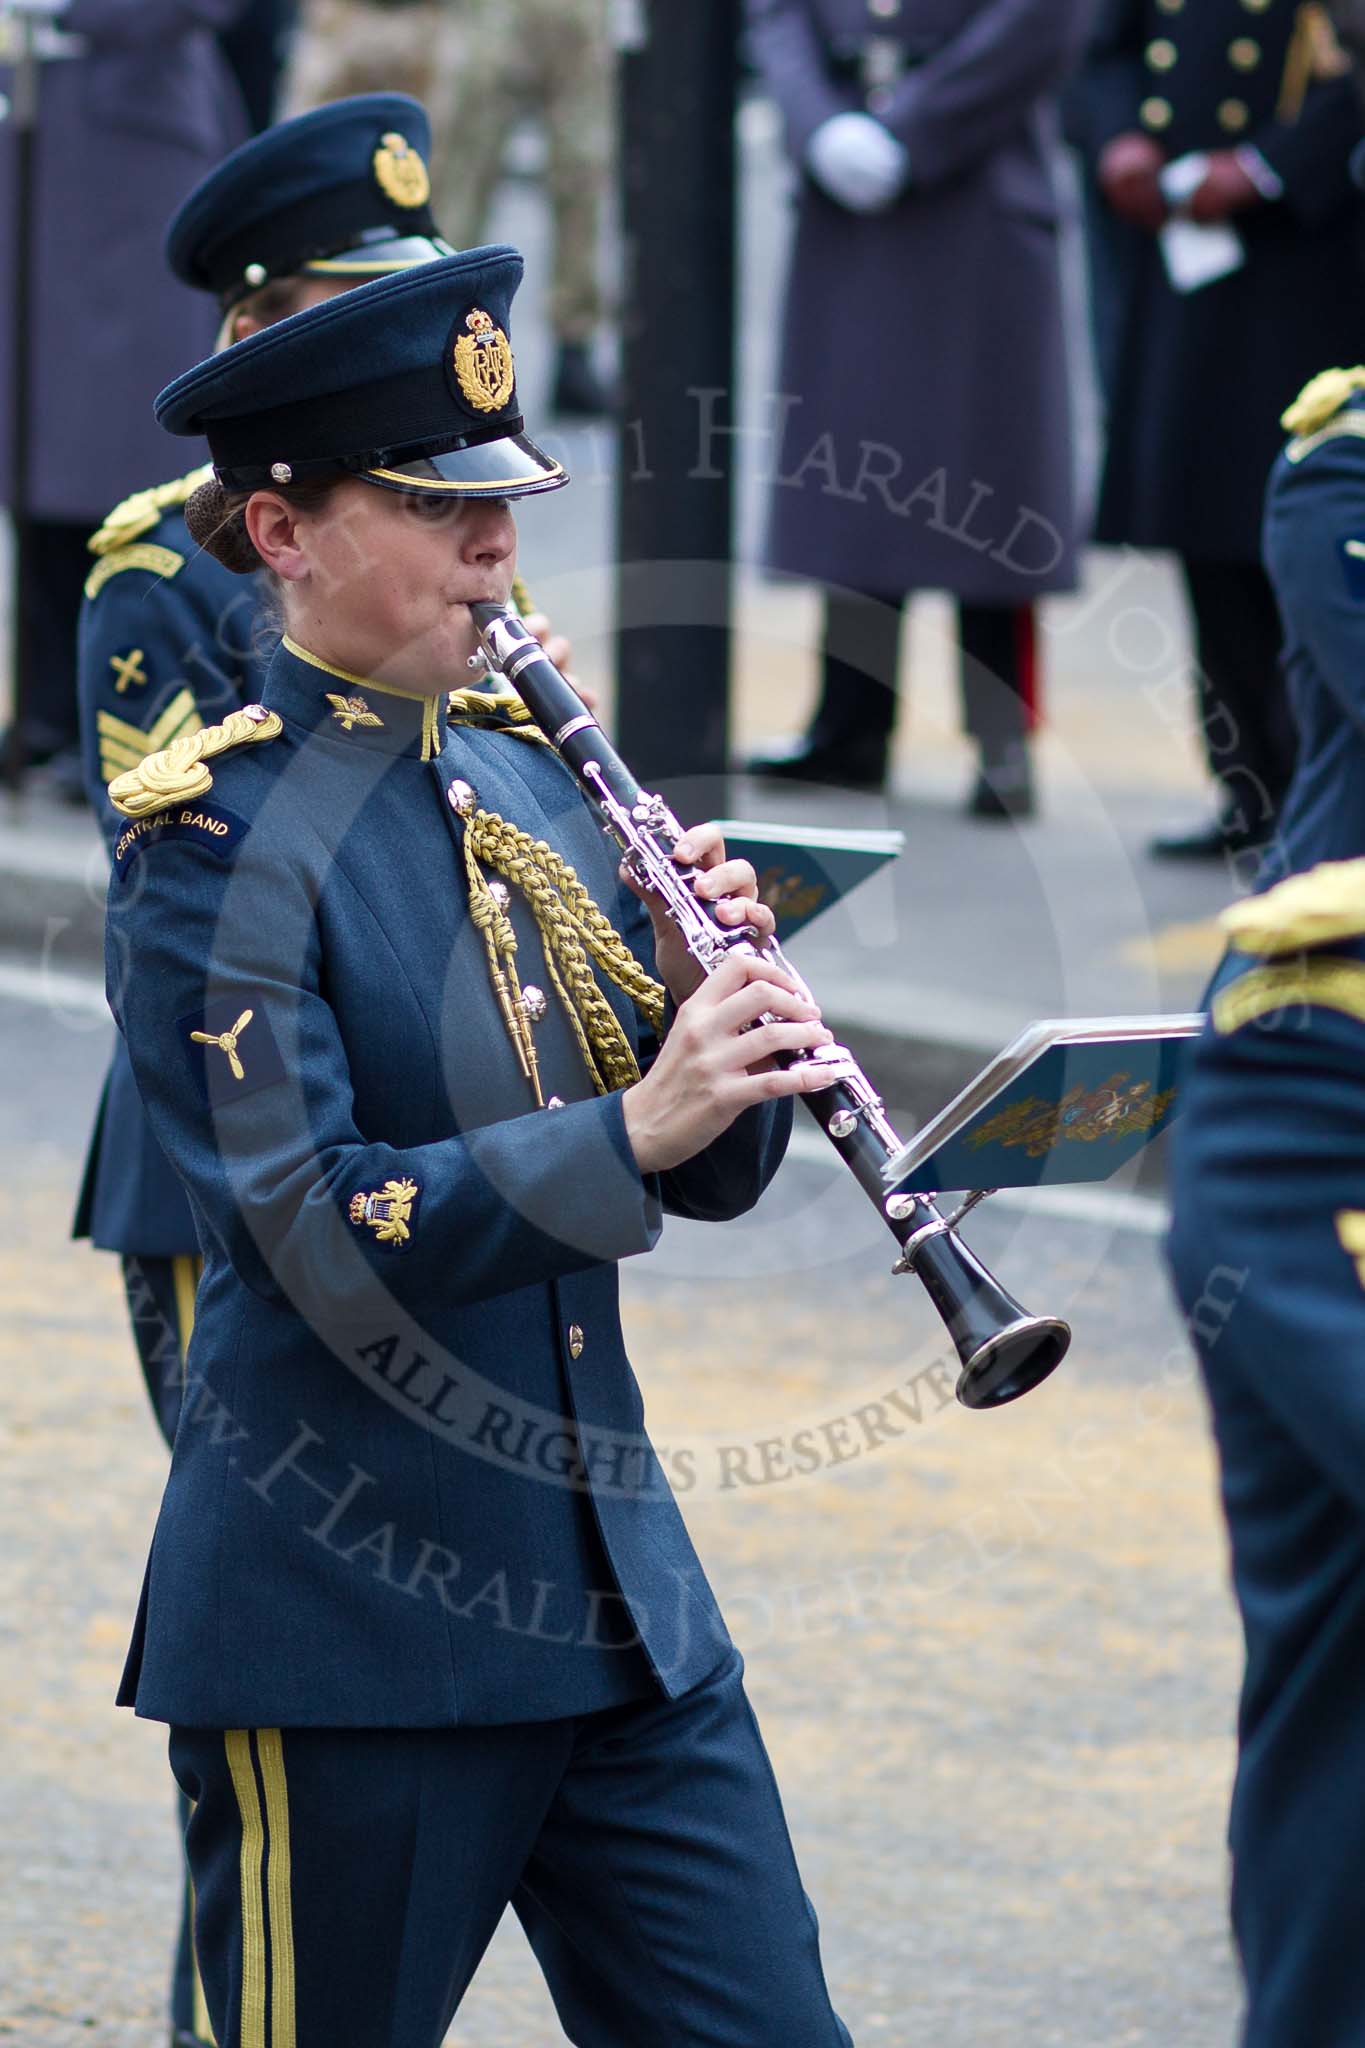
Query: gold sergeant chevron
{"points": [[123, 745]]}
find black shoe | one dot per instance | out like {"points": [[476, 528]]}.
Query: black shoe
{"points": [[578, 389], [857, 761], [1214, 840], [1004, 786]]}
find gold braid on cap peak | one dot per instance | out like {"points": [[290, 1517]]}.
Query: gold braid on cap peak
{"points": [[574, 933], [1302, 912], [139, 514], [178, 773], [1321, 399]]}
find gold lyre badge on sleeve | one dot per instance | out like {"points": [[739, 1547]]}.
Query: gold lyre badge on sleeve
{"points": [[388, 1212]]}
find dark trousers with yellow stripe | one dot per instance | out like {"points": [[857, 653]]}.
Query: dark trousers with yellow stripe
{"points": [[161, 1309], [349, 1880]]}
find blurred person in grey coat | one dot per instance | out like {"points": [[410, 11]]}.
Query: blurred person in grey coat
{"points": [[125, 128], [922, 426]]}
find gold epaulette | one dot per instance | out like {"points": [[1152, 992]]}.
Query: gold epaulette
{"points": [[139, 514], [1318, 412], [472, 707], [142, 554], [492, 711], [1301, 913], [178, 773]]}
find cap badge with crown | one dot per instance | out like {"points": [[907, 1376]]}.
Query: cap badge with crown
{"points": [[483, 363], [400, 172]]}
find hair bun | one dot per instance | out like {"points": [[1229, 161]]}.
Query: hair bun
{"points": [[218, 526]]}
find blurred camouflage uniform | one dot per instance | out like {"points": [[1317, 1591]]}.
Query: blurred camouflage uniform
{"points": [[480, 65], [343, 47]]}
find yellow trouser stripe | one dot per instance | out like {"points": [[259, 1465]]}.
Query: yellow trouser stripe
{"points": [[185, 1271], [203, 2025], [270, 1750], [238, 1742]]}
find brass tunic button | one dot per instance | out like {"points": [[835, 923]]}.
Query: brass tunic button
{"points": [[1256, 6], [500, 894], [575, 1341], [555, 1102], [462, 797], [255, 275], [1244, 54], [533, 1002], [1170, 6], [1233, 116], [1161, 54], [1156, 113]]}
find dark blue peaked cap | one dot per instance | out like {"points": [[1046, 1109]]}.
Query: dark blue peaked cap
{"points": [[407, 382], [342, 192]]}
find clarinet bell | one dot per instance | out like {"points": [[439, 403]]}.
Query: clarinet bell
{"points": [[1005, 1351], [1012, 1361]]}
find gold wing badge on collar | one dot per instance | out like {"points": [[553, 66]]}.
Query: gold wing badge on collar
{"points": [[351, 711]]}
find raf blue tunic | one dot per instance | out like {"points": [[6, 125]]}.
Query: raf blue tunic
{"points": [[411, 1484], [1266, 1248], [169, 641], [1315, 553]]}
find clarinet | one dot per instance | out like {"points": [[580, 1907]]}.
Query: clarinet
{"points": [[1004, 1351]]}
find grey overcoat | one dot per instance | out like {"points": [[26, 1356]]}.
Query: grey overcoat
{"points": [[922, 423], [124, 131]]}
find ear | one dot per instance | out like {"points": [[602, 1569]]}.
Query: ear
{"points": [[272, 525]]}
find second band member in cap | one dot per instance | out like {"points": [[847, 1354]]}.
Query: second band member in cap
{"points": [[420, 1610], [171, 641]]}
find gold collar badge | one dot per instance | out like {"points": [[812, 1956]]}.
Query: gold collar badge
{"points": [[351, 711], [387, 1211], [226, 1041], [400, 173], [483, 363]]}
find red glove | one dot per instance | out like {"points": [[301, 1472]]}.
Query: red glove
{"points": [[1129, 175], [1226, 190]]}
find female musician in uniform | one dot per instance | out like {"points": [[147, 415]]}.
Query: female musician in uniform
{"points": [[420, 1610]]}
